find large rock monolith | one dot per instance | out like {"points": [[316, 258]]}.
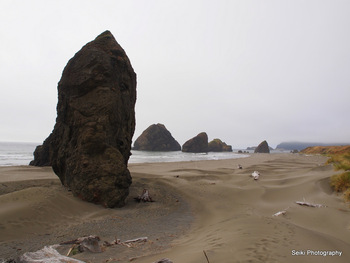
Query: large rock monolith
{"points": [[263, 147], [198, 144], [90, 144], [156, 138]]}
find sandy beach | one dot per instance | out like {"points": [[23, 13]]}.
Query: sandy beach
{"points": [[209, 206]]}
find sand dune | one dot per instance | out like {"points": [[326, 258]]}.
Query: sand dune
{"points": [[234, 221], [36, 213], [205, 205]]}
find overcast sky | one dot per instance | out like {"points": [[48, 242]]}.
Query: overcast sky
{"points": [[242, 71]]}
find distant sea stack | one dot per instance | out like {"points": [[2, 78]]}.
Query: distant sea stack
{"points": [[217, 145], [198, 144], [89, 147], [156, 138], [263, 147]]}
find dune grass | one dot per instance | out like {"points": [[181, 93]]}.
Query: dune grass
{"points": [[339, 156]]}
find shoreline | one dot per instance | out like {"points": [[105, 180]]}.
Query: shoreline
{"points": [[200, 206]]}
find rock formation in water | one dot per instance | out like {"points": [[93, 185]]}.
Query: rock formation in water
{"points": [[198, 144], [217, 145], [262, 148], [90, 144], [156, 138]]}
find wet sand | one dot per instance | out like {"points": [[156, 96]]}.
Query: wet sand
{"points": [[209, 206]]}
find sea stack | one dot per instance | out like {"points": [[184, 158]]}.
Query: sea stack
{"points": [[217, 145], [90, 144], [263, 147], [156, 138], [198, 144]]}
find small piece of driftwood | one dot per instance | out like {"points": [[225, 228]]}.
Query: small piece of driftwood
{"points": [[308, 204], [127, 243], [255, 175], [136, 240], [70, 250], [144, 197], [163, 260], [283, 212], [205, 254]]}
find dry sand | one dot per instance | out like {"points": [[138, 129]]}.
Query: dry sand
{"points": [[203, 205]]}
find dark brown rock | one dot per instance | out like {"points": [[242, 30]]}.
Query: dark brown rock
{"points": [[262, 148], [217, 145], [198, 144], [90, 145], [156, 138], [42, 154]]}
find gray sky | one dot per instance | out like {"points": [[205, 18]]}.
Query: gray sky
{"points": [[242, 71]]}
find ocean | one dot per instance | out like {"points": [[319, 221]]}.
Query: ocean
{"points": [[20, 153], [16, 153]]}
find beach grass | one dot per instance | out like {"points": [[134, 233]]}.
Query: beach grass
{"points": [[339, 157], [341, 182]]}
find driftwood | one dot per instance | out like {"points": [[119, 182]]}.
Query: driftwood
{"points": [[127, 243], [144, 197], [163, 260], [309, 204], [255, 175], [283, 212], [90, 243], [136, 240], [47, 254], [205, 254]]}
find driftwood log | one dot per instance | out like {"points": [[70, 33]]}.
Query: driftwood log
{"points": [[127, 243], [309, 204], [46, 254], [144, 197], [283, 212], [163, 260], [131, 242]]}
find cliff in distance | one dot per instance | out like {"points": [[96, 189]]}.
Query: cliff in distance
{"points": [[302, 145]]}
